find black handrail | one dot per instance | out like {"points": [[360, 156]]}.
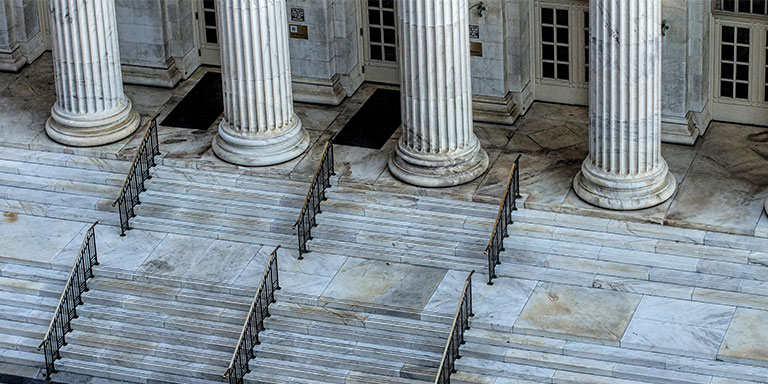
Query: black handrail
{"points": [[138, 173], [70, 299], [316, 193], [456, 337], [254, 322], [499, 233]]}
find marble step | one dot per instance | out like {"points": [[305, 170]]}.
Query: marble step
{"points": [[412, 355], [35, 301], [247, 209], [23, 329], [52, 172], [64, 160], [439, 230], [409, 214], [228, 327], [159, 291], [425, 203], [279, 185], [25, 315], [19, 343], [105, 369], [57, 211], [264, 369], [356, 334], [210, 231], [227, 193], [181, 309], [240, 220], [58, 198], [128, 331], [329, 359], [35, 273], [22, 358], [151, 348]]}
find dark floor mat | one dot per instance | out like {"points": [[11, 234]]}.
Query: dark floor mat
{"points": [[374, 123], [200, 107]]}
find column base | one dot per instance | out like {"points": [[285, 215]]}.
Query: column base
{"points": [[624, 193], [255, 151], [430, 170], [92, 130]]}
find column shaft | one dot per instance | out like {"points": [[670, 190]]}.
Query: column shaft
{"points": [[91, 107], [259, 125], [625, 169], [438, 146]]}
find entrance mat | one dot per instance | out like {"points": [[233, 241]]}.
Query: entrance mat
{"points": [[374, 123], [200, 107]]}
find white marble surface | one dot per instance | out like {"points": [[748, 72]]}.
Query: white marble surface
{"points": [[22, 237], [678, 327], [260, 126], [625, 169], [91, 107]]}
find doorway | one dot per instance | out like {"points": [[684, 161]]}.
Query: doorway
{"points": [[208, 32], [380, 41]]}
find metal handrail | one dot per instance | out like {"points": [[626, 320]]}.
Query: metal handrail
{"points": [[499, 233], [254, 322], [134, 181], [315, 194], [456, 336], [70, 298]]}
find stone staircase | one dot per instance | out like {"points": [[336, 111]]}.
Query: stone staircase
{"points": [[59, 185]]}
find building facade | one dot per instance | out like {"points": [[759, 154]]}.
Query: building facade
{"points": [[675, 66]]}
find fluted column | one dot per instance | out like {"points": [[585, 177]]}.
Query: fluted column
{"points": [[259, 125], [438, 147], [625, 169], [91, 108]]}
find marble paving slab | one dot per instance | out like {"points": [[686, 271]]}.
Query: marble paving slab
{"points": [[577, 313], [34, 238], [747, 338], [401, 286], [175, 255], [496, 306], [680, 327]]}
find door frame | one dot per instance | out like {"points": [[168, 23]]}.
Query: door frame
{"points": [[209, 54]]}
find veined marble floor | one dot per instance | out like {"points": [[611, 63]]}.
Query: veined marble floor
{"points": [[723, 179], [583, 317]]}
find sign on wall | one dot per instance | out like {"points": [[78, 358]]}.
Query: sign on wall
{"points": [[474, 31], [297, 31], [297, 14], [476, 49]]}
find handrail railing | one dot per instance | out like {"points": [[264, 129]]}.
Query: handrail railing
{"points": [[316, 193], [70, 298], [456, 337], [499, 233], [254, 322], [137, 174]]}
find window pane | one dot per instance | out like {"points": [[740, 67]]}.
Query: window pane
{"points": [[744, 6], [742, 72], [727, 34], [742, 54], [389, 4], [562, 17], [743, 36], [548, 70], [562, 72], [210, 36], [375, 52], [562, 53], [562, 35], [729, 5], [547, 52], [375, 34], [742, 90], [726, 71], [726, 89], [209, 4], [547, 16], [373, 17], [388, 18], [389, 36], [547, 34], [727, 52], [210, 19], [389, 54]]}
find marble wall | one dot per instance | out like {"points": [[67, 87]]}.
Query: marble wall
{"points": [[21, 40]]}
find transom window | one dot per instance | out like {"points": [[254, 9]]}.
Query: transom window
{"points": [[381, 30], [755, 7], [734, 62], [555, 58]]}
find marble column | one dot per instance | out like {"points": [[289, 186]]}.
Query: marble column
{"points": [[625, 169], [91, 107], [259, 126], [438, 147]]}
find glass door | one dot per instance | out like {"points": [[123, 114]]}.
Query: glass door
{"points": [[380, 36]]}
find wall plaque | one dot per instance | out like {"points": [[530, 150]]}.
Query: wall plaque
{"points": [[297, 31], [474, 31], [476, 49], [297, 14]]}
